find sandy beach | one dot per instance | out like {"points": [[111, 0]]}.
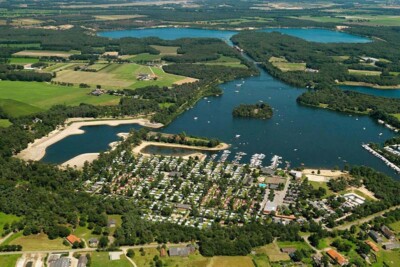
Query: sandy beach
{"points": [[202, 156], [324, 176], [37, 149], [80, 160]]}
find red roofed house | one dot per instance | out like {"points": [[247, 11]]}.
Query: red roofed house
{"points": [[72, 239], [372, 245], [337, 257]]}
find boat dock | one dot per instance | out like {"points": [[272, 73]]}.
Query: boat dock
{"points": [[385, 160]]}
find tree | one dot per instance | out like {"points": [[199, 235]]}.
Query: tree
{"points": [[130, 253], [103, 242]]}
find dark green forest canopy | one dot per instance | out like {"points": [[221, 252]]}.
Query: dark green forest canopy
{"points": [[257, 111]]}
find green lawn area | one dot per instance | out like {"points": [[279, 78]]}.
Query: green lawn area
{"points": [[101, 259], [144, 57], [225, 61], [322, 19], [4, 123], [390, 258], [35, 96], [7, 218], [166, 50], [38, 242], [231, 261], [9, 260], [261, 260], [273, 252], [324, 243], [23, 60], [395, 226]]}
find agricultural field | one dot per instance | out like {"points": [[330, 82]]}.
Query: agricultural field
{"points": [[118, 76], [45, 53], [273, 252], [379, 20], [231, 261], [117, 17], [22, 98], [32, 45], [261, 260], [9, 260], [387, 258], [166, 50], [225, 61], [365, 72], [142, 57], [7, 218], [38, 242], [4, 123], [284, 65], [23, 60]]}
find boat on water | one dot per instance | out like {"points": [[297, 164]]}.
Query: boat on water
{"points": [[195, 118], [237, 136]]}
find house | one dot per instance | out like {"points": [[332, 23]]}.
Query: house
{"points": [[296, 174], [61, 262], [72, 239], [274, 182], [163, 252], [93, 242], [391, 245], [98, 92], [82, 262], [183, 206], [288, 250], [182, 252], [388, 233], [372, 245], [112, 223], [375, 236], [337, 257]]}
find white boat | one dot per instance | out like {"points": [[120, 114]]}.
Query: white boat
{"points": [[237, 136], [195, 118], [380, 134]]}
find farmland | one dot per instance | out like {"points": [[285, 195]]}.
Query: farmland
{"points": [[221, 261], [22, 98], [101, 259], [38, 242], [117, 76], [23, 60], [284, 65], [44, 53]]}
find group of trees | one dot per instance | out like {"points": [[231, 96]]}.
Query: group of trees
{"points": [[182, 139], [258, 111], [16, 73]]}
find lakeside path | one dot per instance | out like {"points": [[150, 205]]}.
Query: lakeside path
{"points": [[37, 149]]}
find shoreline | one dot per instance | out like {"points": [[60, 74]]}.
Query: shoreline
{"points": [[37, 150], [138, 149]]}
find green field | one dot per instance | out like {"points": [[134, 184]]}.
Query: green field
{"points": [[16, 108], [273, 252], [101, 259], [38, 242], [166, 50], [9, 260], [261, 260], [7, 218], [324, 185], [379, 20], [4, 123], [225, 61], [144, 57], [284, 65], [231, 261], [31, 45], [365, 72], [23, 60], [390, 258], [395, 226], [34, 96]]}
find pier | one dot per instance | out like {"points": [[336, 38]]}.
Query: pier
{"points": [[376, 154]]}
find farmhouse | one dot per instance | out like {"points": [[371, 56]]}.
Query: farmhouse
{"points": [[146, 77], [112, 223], [72, 239], [93, 242], [375, 236], [182, 252], [372, 245], [391, 245], [387, 233], [337, 257], [61, 262]]}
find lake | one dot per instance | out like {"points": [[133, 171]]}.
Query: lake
{"points": [[301, 135]]}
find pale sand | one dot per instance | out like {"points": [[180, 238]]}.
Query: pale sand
{"points": [[37, 149], [80, 160], [324, 176], [363, 190], [222, 146], [186, 80]]}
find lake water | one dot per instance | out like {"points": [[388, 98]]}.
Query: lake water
{"points": [[301, 135]]}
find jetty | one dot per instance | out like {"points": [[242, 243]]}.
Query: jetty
{"points": [[385, 160]]}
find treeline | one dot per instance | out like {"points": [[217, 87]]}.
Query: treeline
{"points": [[258, 111], [16, 73], [182, 139], [350, 101]]}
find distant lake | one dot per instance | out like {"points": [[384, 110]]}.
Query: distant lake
{"points": [[309, 34], [301, 135]]}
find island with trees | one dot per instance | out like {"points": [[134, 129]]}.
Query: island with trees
{"points": [[256, 111]]}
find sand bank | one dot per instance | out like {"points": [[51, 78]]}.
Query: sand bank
{"points": [[37, 149], [324, 176], [138, 149]]}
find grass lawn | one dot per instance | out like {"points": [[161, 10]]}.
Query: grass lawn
{"points": [[9, 260], [225, 61], [390, 258], [231, 261], [101, 259], [38, 242], [324, 243], [16, 108], [43, 95], [7, 218], [261, 260], [84, 233], [117, 76], [4, 123], [395, 226], [144, 57], [23, 60], [324, 185]]}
